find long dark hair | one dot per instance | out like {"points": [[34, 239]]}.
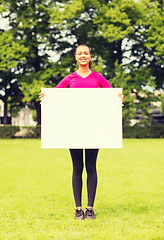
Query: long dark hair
{"points": [[89, 51]]}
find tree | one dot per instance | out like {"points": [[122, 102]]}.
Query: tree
{"points": [[105, 26], [59, 26], [29, 21], [11, 53], [120, 20], [148, 47], [30, 25]]}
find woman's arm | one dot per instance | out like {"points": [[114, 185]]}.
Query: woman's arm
{"points": [[64, 83], [103, 82]]}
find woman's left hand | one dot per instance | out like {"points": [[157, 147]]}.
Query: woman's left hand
{"points": [[122, 97]]}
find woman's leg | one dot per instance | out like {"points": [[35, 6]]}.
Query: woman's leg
{"points": [[77, 160], [90, 163]]}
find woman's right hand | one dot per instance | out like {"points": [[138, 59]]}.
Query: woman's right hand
{"points": [[41, 95]]}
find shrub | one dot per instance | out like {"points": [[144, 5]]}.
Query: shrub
{"points": [[8, 131], [154, 131], [29, 132], [37, 131]]}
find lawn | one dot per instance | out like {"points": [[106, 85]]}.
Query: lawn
{"points": [[36, 200]]}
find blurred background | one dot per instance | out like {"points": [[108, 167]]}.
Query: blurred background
{"points": [[37, 43]]}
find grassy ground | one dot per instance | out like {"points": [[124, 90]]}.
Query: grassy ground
{"points": [[36, 200]]}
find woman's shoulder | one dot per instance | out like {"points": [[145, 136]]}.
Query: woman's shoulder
{"points": [[97, 74], [71, 75]]}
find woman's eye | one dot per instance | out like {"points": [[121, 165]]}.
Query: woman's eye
{"points": [[80, 53]]}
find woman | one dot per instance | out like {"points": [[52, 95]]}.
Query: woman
{"points": [[84, 77]]}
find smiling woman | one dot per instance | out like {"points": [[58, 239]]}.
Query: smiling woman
{"points": [[84, 77], [83, 58]]}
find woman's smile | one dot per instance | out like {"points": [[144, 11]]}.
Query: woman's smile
{"points": [[83, 59], [83, 55]]}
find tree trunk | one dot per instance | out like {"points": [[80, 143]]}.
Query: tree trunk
{"points": [[119, 51], [5, 113], [38, 112]]}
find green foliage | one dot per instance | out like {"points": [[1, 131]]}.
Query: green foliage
{"points": [[121, 80], [11, 55], [29, 23], [34, 116], [10, 93], [154, 131], [31, 132], [14, 108], [11, 52], [98, 65], [112, 29], [162, 103], [153, 18], [32, 83], [136, 96], [2, 6], [142, 86], [8, 131], [115, 20], [69, 11], [147, 47]]}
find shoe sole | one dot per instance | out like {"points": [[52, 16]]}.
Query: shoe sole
{"points": [[90, 218], [80, 218]]}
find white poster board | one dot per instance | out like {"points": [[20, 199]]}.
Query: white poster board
{"points": [[81, 118]]}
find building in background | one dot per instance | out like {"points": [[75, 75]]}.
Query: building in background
{"points": [[24, 117]]}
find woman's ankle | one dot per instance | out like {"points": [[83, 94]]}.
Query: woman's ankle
{"points": [[90, 207], [79, 207]]}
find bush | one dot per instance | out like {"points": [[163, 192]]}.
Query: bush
{"points": [[8, 131], [154, 131], [37, 131], [29, 132]]}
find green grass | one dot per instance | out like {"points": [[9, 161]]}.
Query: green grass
{"points": [[36, 200]]}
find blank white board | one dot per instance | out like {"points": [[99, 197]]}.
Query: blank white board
{"points": [[81, 118]]}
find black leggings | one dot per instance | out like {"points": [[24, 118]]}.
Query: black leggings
{"points": [[90, 163]]}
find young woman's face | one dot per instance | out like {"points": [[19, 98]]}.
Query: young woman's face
{"points": [[83, 55]]}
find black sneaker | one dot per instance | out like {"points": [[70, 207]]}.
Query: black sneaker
{"points": [[79, 214], [90, 213]]}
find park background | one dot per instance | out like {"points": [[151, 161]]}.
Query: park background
{"points": [[37, 43]]}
